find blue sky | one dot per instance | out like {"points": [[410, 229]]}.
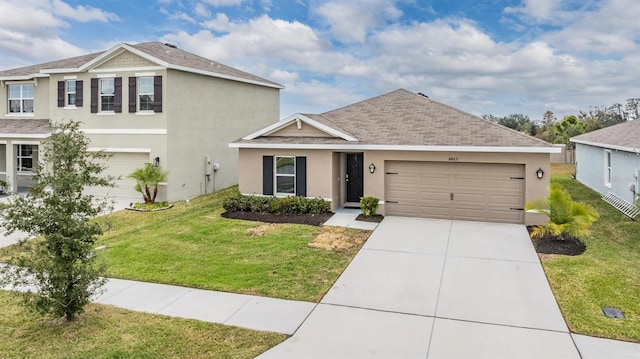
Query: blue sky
{"points": [[485, 57]]}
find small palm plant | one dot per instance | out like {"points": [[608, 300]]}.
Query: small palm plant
{"points": [[566, 217], [147, 177]]}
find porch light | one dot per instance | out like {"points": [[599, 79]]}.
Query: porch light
{"points": [[156, 162], [372, 168], [539, 173]]}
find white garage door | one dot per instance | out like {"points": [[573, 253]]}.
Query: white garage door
{"points": [[120, 165], [465, 191]]}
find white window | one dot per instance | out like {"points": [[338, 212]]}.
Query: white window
{"points": [[70, 93], [607, 168], [107, 94], [25, 157], [285, 175], [21, 98], [145, 93]]}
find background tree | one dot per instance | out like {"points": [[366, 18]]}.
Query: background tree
{"points": [[61, 266], [146, 177], [516, 121]]}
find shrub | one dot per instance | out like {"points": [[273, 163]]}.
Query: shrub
{"points": [[276, 205], [286, 205], [369, 206], [318, 205], [566, 217]]}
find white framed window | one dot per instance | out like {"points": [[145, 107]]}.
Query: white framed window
{"points": [[285, 173], [21, 98], [25, 157], [70, 92], [145, 93], [107, 95], [607, 168]]}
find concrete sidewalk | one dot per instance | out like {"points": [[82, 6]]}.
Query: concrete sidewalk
{"points": [[253, 312]]}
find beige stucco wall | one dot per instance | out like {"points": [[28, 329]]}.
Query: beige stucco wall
{"points": [[325, 170], [319, 170], [228, 110], [122, 120]]}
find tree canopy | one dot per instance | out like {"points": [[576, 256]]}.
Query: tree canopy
{"points": [[61, 266]]}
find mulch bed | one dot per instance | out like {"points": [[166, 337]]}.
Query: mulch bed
{"points": [[376, 218], [549, 244], [309, 219]]}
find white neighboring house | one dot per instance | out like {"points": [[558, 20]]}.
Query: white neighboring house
{"points": [[608, 160], [149, 102]]}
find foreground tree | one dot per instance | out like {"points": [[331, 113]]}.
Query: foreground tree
{"points": [[147, 177], [61, 266], [566, 217]]}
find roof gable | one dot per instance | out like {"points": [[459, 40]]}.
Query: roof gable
{"points": [[623, 136], [125, 59], [298, 120]]}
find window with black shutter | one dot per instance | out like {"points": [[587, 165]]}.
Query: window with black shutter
{"points": [[157, 94], [60, 93]]}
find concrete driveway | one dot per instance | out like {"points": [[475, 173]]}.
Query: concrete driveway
{"points": [[423, 288]]}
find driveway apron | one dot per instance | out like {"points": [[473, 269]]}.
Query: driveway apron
{"points": [[425, 288]]}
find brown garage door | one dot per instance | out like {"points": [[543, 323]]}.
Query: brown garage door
{"points": [[466, 191]]}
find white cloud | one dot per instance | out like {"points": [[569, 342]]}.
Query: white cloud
{"points": [[611, 28], [177, 15], [220, 3], [351, 21], [220, 23], [201, 10], [30, 30], [82, 13], [536, 10]]}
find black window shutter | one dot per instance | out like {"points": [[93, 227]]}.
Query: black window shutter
{"points": [[132, 95], [94, 96], [157, 94], [79, 94], [117, 102], [267, 175], [60, 93], [301, 176]]}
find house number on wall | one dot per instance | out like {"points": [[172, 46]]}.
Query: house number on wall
{"points": [[453, 158]]}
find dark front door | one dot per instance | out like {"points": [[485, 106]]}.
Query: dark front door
{"points": [[354, 177]]}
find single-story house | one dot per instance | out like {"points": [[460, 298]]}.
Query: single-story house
{"points": [[418, 156], [608, 160]]}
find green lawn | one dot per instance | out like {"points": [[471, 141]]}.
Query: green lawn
{"points": [[607, 274], [109, 332], [191, 245]]}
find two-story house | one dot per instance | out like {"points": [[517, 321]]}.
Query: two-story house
{"points": [[149, 102]]}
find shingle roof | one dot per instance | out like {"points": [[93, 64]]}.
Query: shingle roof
{"points": [[170, 55], [72, 62], [626, 134], [183, 58], [404, 118], [25, 126]]}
